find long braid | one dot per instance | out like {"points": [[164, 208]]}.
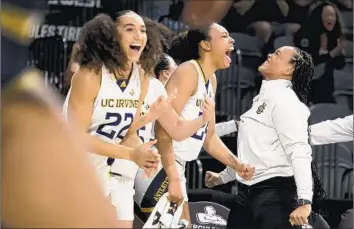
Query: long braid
{"points": [[302, 77], [303, 74]]}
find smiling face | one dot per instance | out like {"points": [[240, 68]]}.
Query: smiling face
{"points": [[279, 64], [220, 45], [329, 17], [131, 33]]}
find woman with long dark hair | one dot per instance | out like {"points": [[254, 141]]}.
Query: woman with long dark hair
{"points": [[106, 98], [273, 135], [321, 36], [202, 52]]}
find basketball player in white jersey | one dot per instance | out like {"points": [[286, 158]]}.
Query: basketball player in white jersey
{"points": [[105, 96], [207, 51], [163, 69]]}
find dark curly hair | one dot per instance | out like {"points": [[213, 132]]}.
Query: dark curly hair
{"points": [[98, 45], [166, 34], [301, 79], [185, 46]]}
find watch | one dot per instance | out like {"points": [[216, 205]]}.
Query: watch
{"points": [[302, 202]]}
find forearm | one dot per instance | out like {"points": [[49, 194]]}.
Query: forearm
{"points": [[227, 175], [165, 149], [100, 147], [143, 121], [225, 128], [332, 131], [179, 129], [217, 149], [301, 163]]}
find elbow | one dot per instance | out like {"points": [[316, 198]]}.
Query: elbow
{"points": [[299, 150], [176, 136], [180, 137]]}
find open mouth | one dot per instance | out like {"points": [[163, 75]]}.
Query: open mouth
{"points": [[228, 55], [229, 51], [329, 23], [135, 47]]}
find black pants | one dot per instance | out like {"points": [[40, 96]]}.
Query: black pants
{"points": [[271, 202], [266, 205]]}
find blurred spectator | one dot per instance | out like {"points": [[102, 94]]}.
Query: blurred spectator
{"points": [[298, 10], [255, 17], [172, 19], [321, 36]]}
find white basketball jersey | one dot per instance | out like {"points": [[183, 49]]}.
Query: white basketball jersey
{"points": [[113, 112], [156, 89], [189, 149]]}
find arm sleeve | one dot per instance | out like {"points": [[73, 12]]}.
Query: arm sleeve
{"points": [[290, 118], [227, 175], [332, 131], [225, 128]]}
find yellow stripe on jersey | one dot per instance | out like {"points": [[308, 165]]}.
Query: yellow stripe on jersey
{"points": [[17, 22], [147, 210], [201, 71]]}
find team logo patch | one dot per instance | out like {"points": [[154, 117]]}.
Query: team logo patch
{"points": [[132, 92], [122, 84], [209, 216], [261, 108]]}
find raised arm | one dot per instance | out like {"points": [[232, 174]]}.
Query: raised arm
{"points": [[184, 79], [216, 148], [180, 129], [332, 131], [225, 128], [177, 128]]}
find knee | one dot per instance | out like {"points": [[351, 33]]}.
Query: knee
{"points": [[262, 30]]}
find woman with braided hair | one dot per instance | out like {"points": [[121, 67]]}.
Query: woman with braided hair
{"points": [[273, 136]]}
